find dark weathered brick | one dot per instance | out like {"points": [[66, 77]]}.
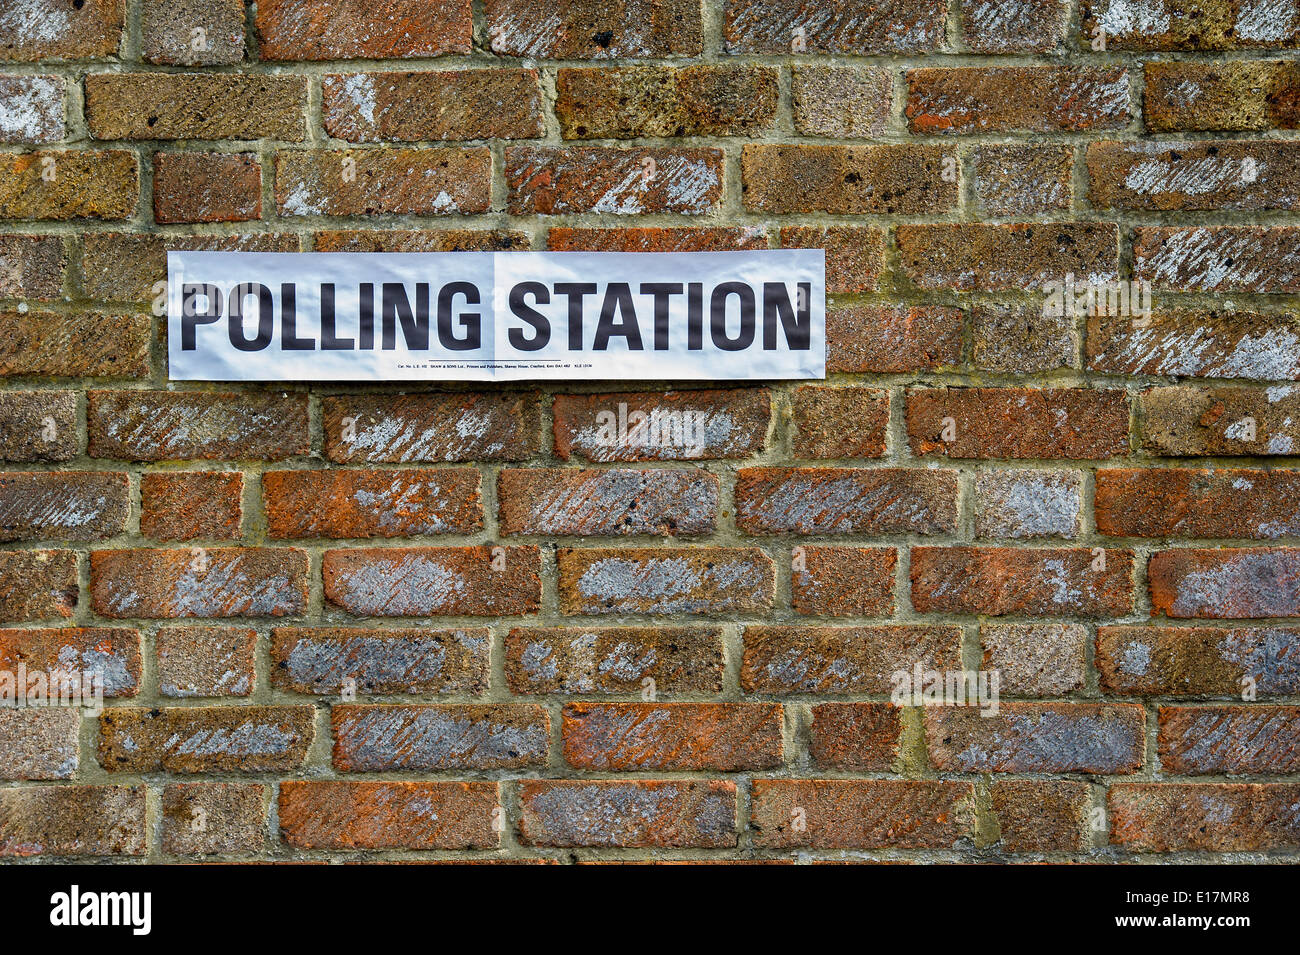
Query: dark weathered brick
{"points": [[362, 182], [1027, 502], [1215, 817], [1191, 24], [655, 239], [421, 240], [559, 180], [63, 505], [1036, 659], [206, 187], [984, 257], [178, 425], [844, 102], [855, 257], [843, 581], [39, 743], [893, 179], [840, 660], [187, 505], [133, 268], [73, 345], [1022, 181], [1184, 421], [1195, 502], [389, 503], [846, 500], [635, 813], [607, 501], [37, 584], [599, 660], [722, 737], [247, 739], [892, 338], [861, 814], [204, 818], [324, 814], [73, 821], [38, 425], [840, 422], [328, 660], [1235, 95], [861, 737], [69, 184], [1011, 26], [31, 267], [195, 106], [425, 581], [1196, 661], [343, 29], [167, 29], [1039, 815], [594, 29]]}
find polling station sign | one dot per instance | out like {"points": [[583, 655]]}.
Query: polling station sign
{"points": [[496, 316]]}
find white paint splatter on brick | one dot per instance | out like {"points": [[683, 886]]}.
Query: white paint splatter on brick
{"points": [[31, 109], [1145, 18]]}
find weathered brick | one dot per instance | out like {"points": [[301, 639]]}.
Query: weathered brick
{"points": [[206, 187], [592, 29], [639, 101], [861, 814], [1036, 659], [656, 239], [324, 814], [426, 581], [31, 109], [1039, 815], [892, 338], [860, 737], [1236, 95], [606, 502], [840, 660], [1010, 26], [179, 425], [1021, 339], [1218, 817], [1075, 423], [110, 654], [635, 813], [1198, 343], [167, 32], [448, 104], [1192, 24], [664, 426], [195, 106], [1027, 503], [381, 738], [206, 661], [984, 257], [994, 581], [1015, 181], [665, 580], [74, 345], [1102, 739], [72, 821], [560, 180], [843, 581], [69, 184], [436, 181], [421, 240], [1211, 174], [201, 582], [1184, 420], [326, 660], [723, 737], [840, 422], [832, 26], [1225, 582], [206, 818], [63, 505], [41, 29], [245, 739], [855, 256], [37, 584], [893, 179], [1218, 258], [843, 102], [389, 503], [592, 660], [1196, 661], [188, 505], [1195, 502], [38, 425], [1041, 99], [39, 743], [846, 500], [344, 29], [374, 429], [1211, 740], [31, 266]]}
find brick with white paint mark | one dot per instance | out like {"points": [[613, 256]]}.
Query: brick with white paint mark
{"points": [[188, 425], [1004, 98], [37, 584], [199, 582], [362, 182], [1184, 420], [1013, 26], [110, 654], [553, 180], [614, 660], [73, 821], [1021, 181], [832, 26], [427, 581], [325, 814], [1027, 503], [859, 737], [843, 581], [861, 814], [564, 501], [1225, 582], [421, 240], [1199, 661], [328, 660], [722, 737], [1202, 25], [842, 660], [1197, 502], [1198, 343], [1102, 739], [206, 661], [31, 109], [247, 739], [388, 503], [37, 29], [665, 426], [382, 738], [39, 743], [1231, 95], [665, 580], [636, 813], [1213, 740], [375, 429], [1215, 817], [205, 818], [63, 505], [846, 500], [1218, 258], [1033, 659], [1212, 175], [382, 29]]}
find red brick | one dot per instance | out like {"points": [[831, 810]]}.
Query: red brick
{"points": [[1076, 423], [374, 429], [1009, 26], [840, 422], [69, 184], [861, 814], [31, 109], [1027, 503], [31, 267], [203, 818], [841, 660], [561, 180], [322, 660], [1191, 25], [37, 584], [1225, 582], [206, 187], [133, 268], [187, 505], [63, 505], [383, 738], [844, 581], [1022, 181], [1215, 817], [38, 426], [846, 500], [1198, 343], [648, 426], [344, 29], [833, 26], [591, 29], [843, 102], [1182, 420], [1036, 815], [421, 240], [42, 29], [607, 502], [855, 255], [324, 814], [1209, 175], [1102, 739], [656, 239], [72, 821], [1212, 740], [1236, 95], [890, 339], [893, 179], [984, 257], [435, 181], [388, 503], [427, 581], [206, 661], [1218, 258], [111, 653], [1042, 99], [994, 581], [1036, 659], [247, 739], [167, 32], [631, 814], [39, 743], [1186, 502], [76, 345], [191, 425], [665, 580], [199, 582], [614, 660], [1198, 661], [860, 737], [195, 106], [448, 104], [723, 737]]}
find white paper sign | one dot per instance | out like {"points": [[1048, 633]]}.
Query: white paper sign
{"points": [[495, 316]]}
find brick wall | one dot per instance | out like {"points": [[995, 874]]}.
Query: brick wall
{"points": [[440, 622]]}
